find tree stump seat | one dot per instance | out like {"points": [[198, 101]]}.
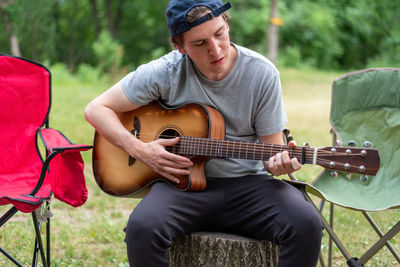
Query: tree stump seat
{"points": [[210, 249]]}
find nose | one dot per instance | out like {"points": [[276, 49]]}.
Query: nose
{"points": [[214, 47]]}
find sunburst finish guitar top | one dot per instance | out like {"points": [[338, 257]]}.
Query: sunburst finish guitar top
{"points": [[119, 174]]}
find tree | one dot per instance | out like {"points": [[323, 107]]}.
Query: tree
{"points": [[13, 39], [273, 38], [113, 13]]}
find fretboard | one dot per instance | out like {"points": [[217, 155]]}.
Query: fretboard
{"points": [[216, 148]]}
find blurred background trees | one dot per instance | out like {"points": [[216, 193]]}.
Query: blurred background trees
{"points": [[106, 34]]}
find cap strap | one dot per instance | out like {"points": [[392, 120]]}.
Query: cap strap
{"points": [[210, 15]]}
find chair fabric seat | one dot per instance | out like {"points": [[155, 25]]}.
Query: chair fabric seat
{"points": [[366, 107], [32, 171]]}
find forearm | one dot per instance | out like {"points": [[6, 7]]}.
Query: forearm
{"points": [[107, 123]]}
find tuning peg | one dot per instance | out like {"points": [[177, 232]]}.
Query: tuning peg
{"points": [[364, 153], [346, 166], [361, 168], [364, 178], [367, 144], [334, 174], [338, 142], [352, 143], [348, 175]]}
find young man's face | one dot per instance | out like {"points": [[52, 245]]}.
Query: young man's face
{"points": [[208, 45]]}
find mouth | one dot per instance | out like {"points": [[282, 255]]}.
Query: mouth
{"points": [[218, 61]]}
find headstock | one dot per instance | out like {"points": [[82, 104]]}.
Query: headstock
{"points": [[365, 161]]}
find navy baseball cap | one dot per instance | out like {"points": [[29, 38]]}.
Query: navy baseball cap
{"points": [[178, 9]]}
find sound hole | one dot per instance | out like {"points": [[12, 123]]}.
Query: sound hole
{"points": [[169, 134]]}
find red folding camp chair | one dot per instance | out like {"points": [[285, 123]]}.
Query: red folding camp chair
{"points": [[27, 178]]}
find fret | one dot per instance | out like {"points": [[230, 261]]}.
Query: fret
{"points": [[206, 152], [270, 151], [228, 149], [262, 151]]}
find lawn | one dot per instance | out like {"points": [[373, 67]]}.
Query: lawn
{"points": [[92, 235]]}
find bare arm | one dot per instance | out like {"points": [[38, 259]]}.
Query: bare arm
{"points": [[280, 163], [102, 112]]}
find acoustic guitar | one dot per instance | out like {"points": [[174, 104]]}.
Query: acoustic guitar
{"points": [[202, 136]]}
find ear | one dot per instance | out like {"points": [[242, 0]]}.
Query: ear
{"points": [[181, 49]]}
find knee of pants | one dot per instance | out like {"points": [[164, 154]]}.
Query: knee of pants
{"points": [[304, 224], [141, 230]]}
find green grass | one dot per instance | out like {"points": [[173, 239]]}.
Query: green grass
{"points": [[92, 235]]}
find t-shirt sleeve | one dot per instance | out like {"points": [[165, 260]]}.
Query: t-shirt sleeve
{"points": [[147, 82]]}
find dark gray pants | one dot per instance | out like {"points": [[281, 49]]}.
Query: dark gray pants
{"points": [[259, 207]]}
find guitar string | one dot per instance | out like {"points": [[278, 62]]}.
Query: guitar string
{"points": [[255, 148], [324, 162], [230, 144]]}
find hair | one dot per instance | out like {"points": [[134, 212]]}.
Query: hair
{"points": [[194, 14]]}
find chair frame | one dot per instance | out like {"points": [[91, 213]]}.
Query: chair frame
{"points": [[39, 246], [352, 261], [42, 213]]}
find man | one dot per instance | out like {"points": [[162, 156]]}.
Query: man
{"points": [[241, 197]]}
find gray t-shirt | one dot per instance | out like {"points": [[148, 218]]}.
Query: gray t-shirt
{"points": [[249, 99]]}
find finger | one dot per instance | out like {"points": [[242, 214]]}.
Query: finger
{"points": [[171, 178], [176, 161], [271, 165], [279, 163], [292, 144], [171, 173], [168, 142], [295, 164], [275, 166], [286, 162], [184, 161]]}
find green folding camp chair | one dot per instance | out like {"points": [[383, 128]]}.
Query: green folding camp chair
{"points": [[365, 110]]}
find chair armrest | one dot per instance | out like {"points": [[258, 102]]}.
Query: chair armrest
{"points": [[54, 140], [64, 167]]}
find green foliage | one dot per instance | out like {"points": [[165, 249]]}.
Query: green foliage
{"points": [[89, 74], [108, 52], [143, 30], [310, 29], [32, 23], [249, 24], [330, 34], [60, 73]]}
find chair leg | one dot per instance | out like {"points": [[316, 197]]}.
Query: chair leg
{"points": [[39, 240], [350, 260], [381, 234], [11, 258], [381, 242], [8, 215], [330, 246], [48, 238], [3, 220]]}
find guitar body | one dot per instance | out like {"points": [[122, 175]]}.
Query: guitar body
{"points": [[118, 174]]}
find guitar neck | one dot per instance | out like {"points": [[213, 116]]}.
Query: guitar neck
{"points": [[216, 148], [356, 160]]}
